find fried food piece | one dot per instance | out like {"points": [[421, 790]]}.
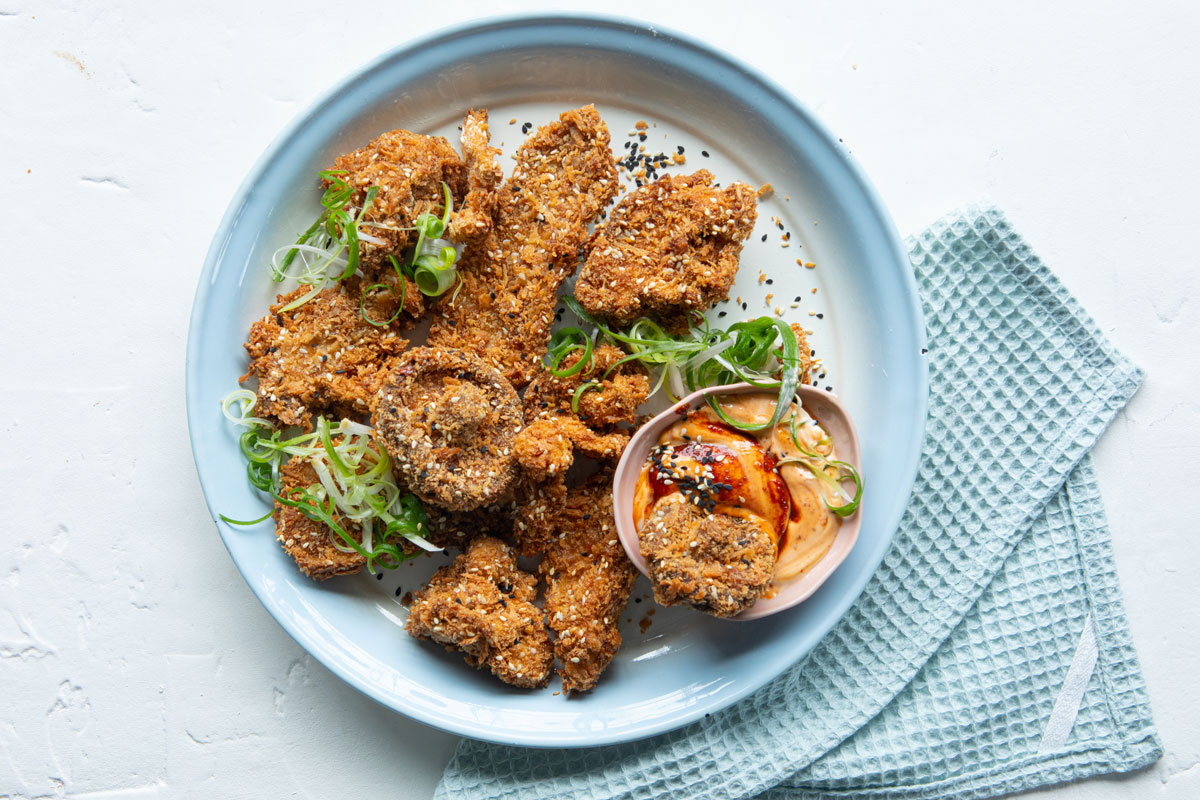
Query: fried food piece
{"points": [[614, 401], [588, 582], [483, 605], [504, 306], [409, 169], [717, 563], [308, 541], [668, 248], [474, 219], [448, 421], [546, 447], [321, 357]]}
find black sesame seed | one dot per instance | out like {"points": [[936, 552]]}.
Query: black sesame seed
{"points": [[704, 153], [721, 313], [820, 316], [770, 281], [764, 237]]}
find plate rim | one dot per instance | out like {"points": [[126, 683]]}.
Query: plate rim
{"points": [[638, 29]]}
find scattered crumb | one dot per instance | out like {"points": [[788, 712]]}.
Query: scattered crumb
{"points": [[646, 622], [810, 264], [766, 190], [512, 121], [641, 125]]}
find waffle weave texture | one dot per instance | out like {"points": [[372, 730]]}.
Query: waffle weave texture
{"points": [[940, 680]]}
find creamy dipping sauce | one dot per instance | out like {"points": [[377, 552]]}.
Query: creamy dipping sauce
{"points": [[728, 471]]}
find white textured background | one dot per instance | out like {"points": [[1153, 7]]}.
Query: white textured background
{"points": [[134, 662]]}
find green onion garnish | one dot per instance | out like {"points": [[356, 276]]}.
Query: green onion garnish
{"points": [[818, 465], [355, 482], [564, 342], [761, 351], [329, 249], [434, 258]]}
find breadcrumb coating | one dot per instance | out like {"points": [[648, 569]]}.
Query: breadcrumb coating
{"points": [[669, 248], [614, 401], [473, 220], [482, 605], [504, 305], [409, 169], [308, 541], [448, 421], [554, 434], [321, 358], [717, 563], [588, 582]]}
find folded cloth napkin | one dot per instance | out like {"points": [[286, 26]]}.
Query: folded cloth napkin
{"points": [[990, 653]]}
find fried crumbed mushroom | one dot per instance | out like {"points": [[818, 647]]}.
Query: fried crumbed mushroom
{"points": [[321, 358], [482, 605], [504, 306], [474, 219], [717, 563], [588, 582], [409, 169], [546, 448], [668, 249], [448, 421], [306, 540]]}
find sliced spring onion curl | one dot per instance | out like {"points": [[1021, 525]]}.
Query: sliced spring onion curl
{"points": [[355, 482], [761, 351], [434, 258], [329, 251], [820, 467]]}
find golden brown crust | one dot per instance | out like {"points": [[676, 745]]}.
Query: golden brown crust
{"points": [[668, 249], [321, 358], [409, 169], [613, 402], [716, 563], [546, 448], [482, 605], [308, 541], [504, 306], [448, 420], [588, 582], [474, 219]]}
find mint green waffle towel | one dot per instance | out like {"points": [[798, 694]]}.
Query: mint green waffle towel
{"points": [[990, 653]]}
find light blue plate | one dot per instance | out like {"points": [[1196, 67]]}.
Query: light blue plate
{"points": [[870, 335]]}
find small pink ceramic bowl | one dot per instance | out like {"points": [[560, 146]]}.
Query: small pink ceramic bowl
{"points": [[829, 413]]}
